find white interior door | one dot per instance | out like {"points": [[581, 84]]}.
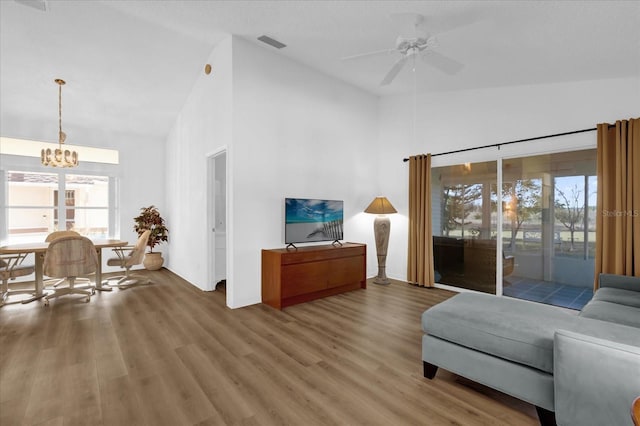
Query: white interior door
{"points": [[217, 220]]}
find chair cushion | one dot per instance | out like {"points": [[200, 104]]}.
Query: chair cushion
{"points": [[512, 329], [116, 261], [17, 271]]}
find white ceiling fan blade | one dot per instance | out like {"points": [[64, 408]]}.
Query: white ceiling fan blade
{"points": [[410, 25], [393, 72], [452, 22], [36, 4], [443, 63], [362, 55], [416, 25]]}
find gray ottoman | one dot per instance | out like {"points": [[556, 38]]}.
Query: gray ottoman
{"points": [[503, 343]]}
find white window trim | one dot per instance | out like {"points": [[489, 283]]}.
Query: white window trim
{"points": [[29, 164]]}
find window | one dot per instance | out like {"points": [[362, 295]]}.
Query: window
{"points": [[87, 204], [30, 205], [36, 202], [69, 198]]}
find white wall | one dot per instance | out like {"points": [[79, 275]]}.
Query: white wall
{"points": [[293, 132], [141, 182], [288, 131], [203, 126], [297, 133], [448, 121]]}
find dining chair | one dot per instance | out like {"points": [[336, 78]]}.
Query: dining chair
{"points": [[635, 411], [57, 281], [57, 234], [128, 256], [11, 267], [70, 257]]}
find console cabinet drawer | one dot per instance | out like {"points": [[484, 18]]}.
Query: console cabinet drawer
{"points": [[307, 273]]}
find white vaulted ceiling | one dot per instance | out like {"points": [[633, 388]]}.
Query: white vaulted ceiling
{"points": [[131, 64]]}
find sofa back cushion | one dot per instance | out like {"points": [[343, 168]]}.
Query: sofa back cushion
{"points": [[612, 312], [619, 281], [619, 296]]}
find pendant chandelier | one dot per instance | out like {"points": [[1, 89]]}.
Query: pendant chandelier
{"points": [[59, 157]]}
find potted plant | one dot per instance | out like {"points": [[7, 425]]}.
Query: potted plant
{"points": [[150, 219]]}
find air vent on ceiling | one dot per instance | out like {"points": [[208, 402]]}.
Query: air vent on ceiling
{"points": [[36, 4], [271, 42]]}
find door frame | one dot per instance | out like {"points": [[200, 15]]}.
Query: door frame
{"points": [[211, 157]]}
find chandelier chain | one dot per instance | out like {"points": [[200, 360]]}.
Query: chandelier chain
{"points": [[59, 157], [60, 113]]}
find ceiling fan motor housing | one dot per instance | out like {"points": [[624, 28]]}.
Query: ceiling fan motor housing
{"points": [[411, 46]]}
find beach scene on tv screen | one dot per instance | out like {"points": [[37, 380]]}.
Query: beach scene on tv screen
{"points": [[309, 220]]}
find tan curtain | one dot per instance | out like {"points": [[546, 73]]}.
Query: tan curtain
{"points": [[618, 205], [420, 260]]}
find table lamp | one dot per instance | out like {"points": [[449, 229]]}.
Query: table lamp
{"points": [[381, 225]]}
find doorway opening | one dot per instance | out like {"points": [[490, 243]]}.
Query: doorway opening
{"points": [[217, 220]]}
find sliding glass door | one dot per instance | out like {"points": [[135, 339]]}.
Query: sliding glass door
{"points": [[545, 223], [464, 225], [548, 227]]}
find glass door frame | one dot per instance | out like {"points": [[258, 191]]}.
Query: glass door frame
{"points": [[553, 145]]}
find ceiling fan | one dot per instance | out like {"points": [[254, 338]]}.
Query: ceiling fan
{"points": [[41, 5], [420, 45]]}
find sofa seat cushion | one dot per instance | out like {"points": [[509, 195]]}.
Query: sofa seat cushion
{"points": [[612, 312], [619, 296], [511, 329]]}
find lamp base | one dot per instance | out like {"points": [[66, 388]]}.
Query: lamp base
{"points": [[381, 226], [381, 281]]}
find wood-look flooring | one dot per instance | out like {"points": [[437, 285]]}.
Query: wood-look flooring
{"points": [[170, 354]]}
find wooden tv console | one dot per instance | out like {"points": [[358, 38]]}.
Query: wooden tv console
{"points": [[297, 275]]}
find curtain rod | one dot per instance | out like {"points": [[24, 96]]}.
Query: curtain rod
{"points": [[498, 145]]}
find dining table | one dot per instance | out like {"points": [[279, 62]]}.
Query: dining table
{"points": [[39, 249]]}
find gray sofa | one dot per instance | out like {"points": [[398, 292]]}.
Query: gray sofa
{"points": [[579, 369]]}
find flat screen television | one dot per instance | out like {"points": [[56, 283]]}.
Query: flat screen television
{"points": [[310, 220]]}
